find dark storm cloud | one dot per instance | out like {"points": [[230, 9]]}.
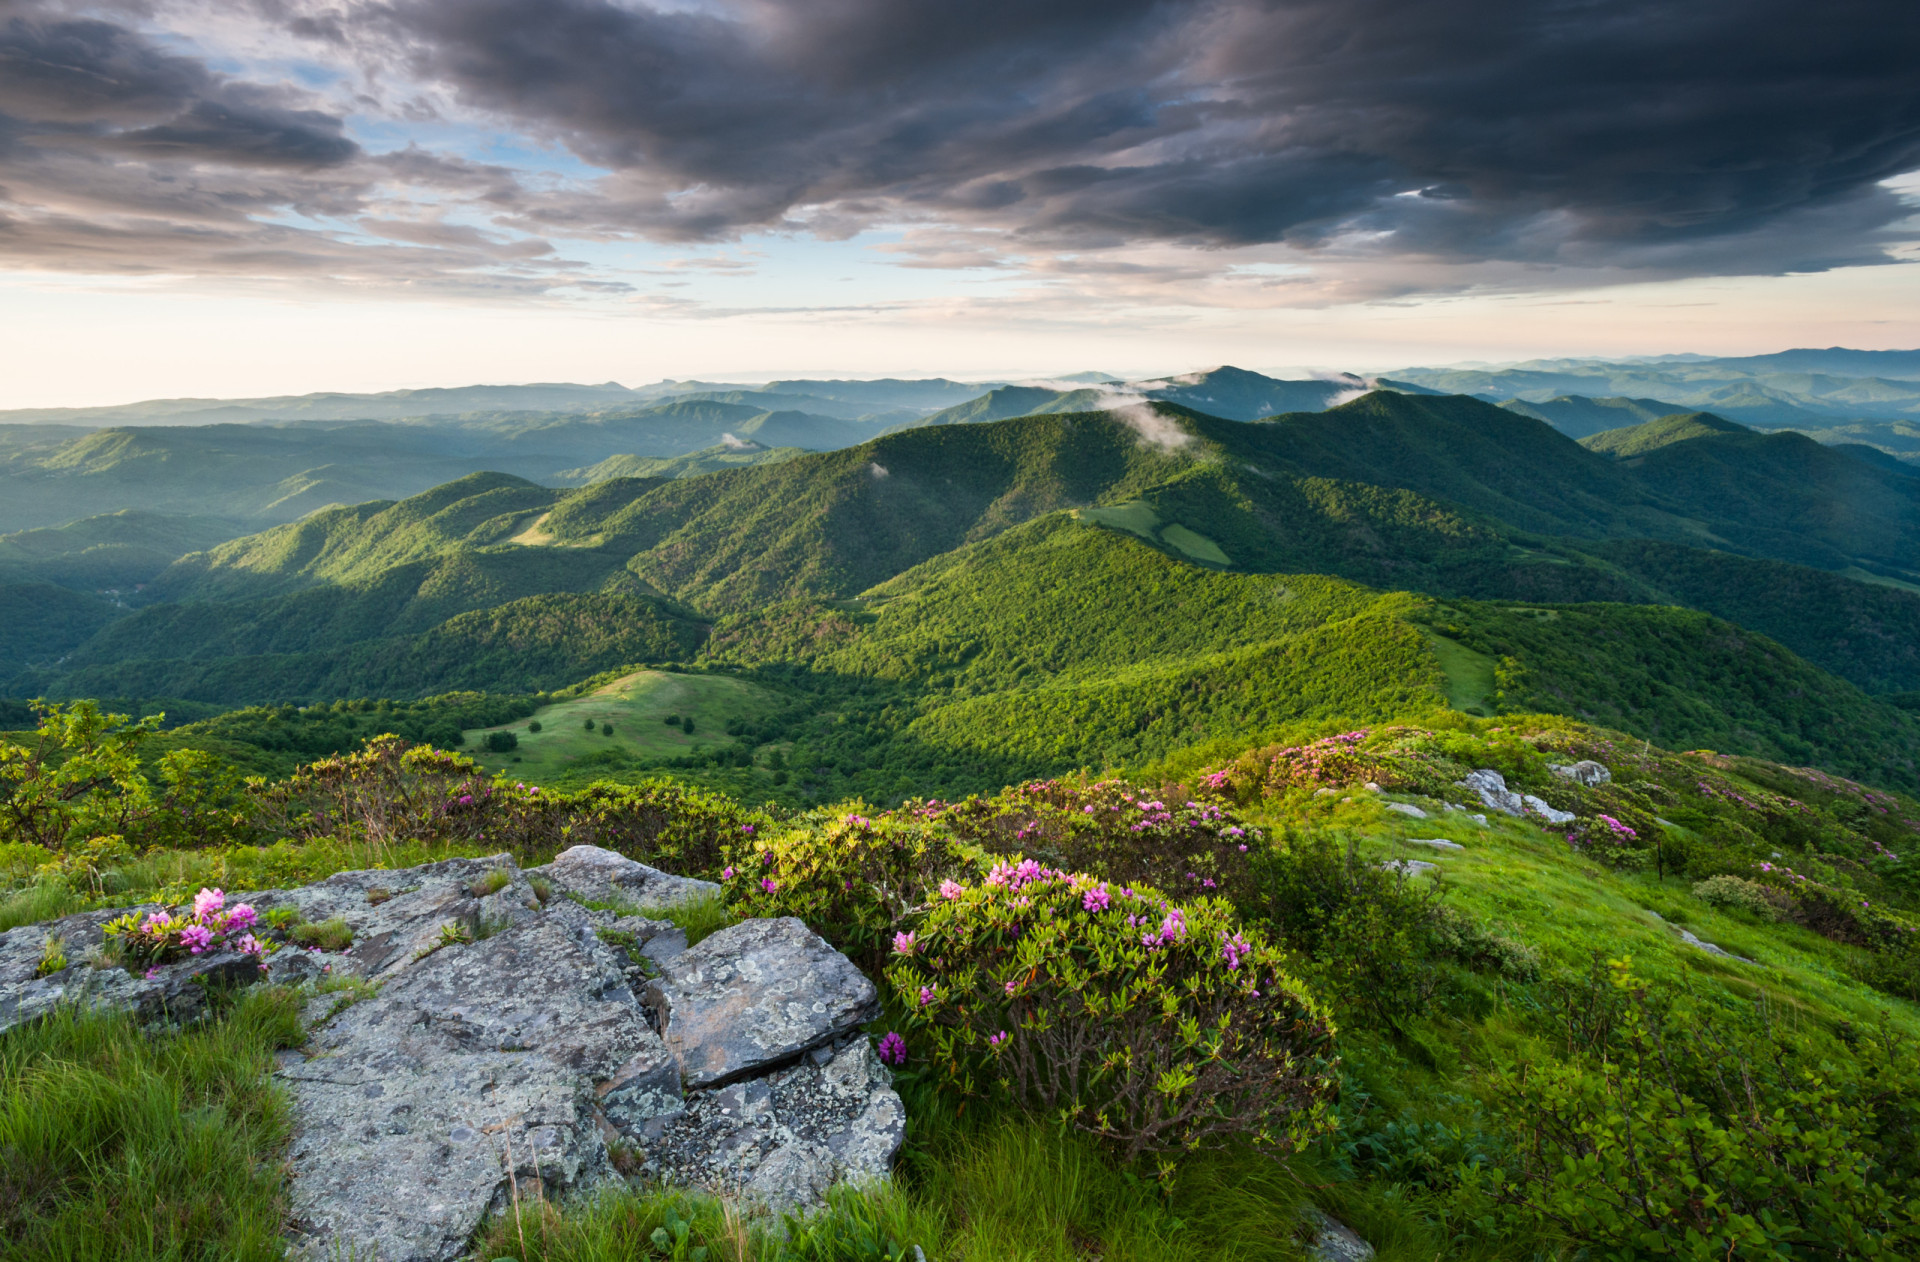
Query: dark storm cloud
{"points": [[1706, 137], [1536, 128]]}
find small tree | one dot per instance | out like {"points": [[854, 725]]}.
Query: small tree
{"points": [[686, 725], [502, 742], [534, 726], [606, 729]]}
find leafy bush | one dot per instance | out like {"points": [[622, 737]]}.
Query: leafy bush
{"points": [[1160, 1028], [534, 726], [851, 878], [1168, 840], [1895, 968], [1368, 930], [1733, 893], [1476, 946], [1692, 1134], [502, 742]]}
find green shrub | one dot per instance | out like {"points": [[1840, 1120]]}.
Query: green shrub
{"points": [[1733, 893], [1369, 931], [1473, 944], [606, 729], [1894, 969], [850, 878], [534, 726], [502, 742], [1115, 830], [673, 720], [1161, 1028], [1686, 1133], [589, 725], [686, 724]]}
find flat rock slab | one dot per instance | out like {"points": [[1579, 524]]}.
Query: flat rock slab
{"points": [[605, 876], [754, 995], [1410, 867], [397, 916], [175, 992], [1438, 843], [1407, 808]]}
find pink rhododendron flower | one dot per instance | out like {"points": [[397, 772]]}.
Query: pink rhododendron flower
{"points": [[196, 938], [951, 890], [240, 916], [1096, 899], [893, 1049], [903, 943], [726, 873], [926, 995], [767, 884], [207, 901]]}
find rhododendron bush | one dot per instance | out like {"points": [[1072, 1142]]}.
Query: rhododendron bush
{"points": [[209, 925], [1161, 1027], [1168, 838], [850, 877]]}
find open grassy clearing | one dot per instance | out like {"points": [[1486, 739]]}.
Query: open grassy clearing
{"points": [[637, 707], [1470, 679]]}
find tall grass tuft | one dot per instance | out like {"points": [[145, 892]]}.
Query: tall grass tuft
{"points": [[117, 1143]]}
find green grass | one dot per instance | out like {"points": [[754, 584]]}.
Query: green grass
{"points": [[637, 706], [1470, 681], [120, 1144]]}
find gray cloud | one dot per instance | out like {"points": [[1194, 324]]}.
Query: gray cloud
{"points": [[1720, 136]]}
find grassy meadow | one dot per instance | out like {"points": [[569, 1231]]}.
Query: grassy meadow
{"points": [[572, 738]]}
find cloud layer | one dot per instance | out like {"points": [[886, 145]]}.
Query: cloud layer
{"points": [[1389, 138]]}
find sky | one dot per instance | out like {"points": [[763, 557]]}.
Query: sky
{"points": [[251, 197]]}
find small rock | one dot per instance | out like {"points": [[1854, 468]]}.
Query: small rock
{"points": [[1586, 771], [1438, 843], [1407, 808], [1334, 1241], [1537, 807], [1409, 867]]}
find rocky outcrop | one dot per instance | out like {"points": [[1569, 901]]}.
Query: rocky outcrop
{"points": [[485, 1031], [1492, 789]]}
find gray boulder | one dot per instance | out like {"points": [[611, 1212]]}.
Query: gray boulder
{"points": [[754, 995], [604, 876], [1586, 771], [1438, 843], [1407, 808]]}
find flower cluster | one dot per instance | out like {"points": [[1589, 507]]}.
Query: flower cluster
{"points": [[1157, 1026], [210, 925], [893, 1049], [1170, 838]]}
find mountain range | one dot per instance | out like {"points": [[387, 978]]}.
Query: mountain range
{"points": [[952, 604]]}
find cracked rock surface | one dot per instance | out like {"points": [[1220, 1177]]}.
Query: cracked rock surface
{"points": [[754, 995]]}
